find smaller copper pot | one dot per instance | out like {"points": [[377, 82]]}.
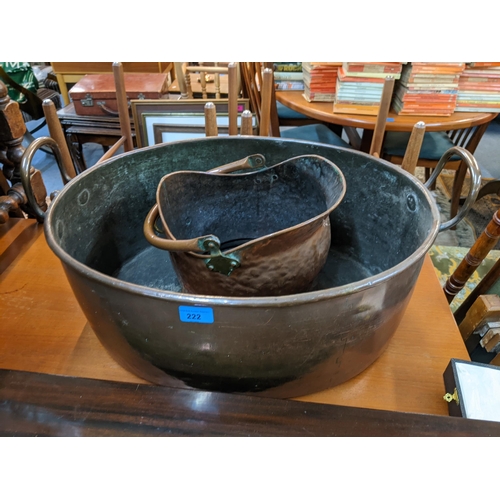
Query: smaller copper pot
{"points": [[272, 225]]}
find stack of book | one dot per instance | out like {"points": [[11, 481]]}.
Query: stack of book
{"points": [[320, 80], [427, 89], [479, 88], [360, 86], [288, 76]]}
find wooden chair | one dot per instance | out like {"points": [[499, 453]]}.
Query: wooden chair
{"points": [[479, 314], [434, 145], [56, 132], [258, 86], [186, 72], [211, 128], [478, 252], [22, 190]]}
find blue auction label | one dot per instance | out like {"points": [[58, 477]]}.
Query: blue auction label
{"points": [[196, 314]]}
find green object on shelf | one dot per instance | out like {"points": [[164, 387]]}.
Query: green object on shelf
{"points": [[22, 74]]}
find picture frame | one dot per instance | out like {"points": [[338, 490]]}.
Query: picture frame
{"points": [[166, 120]]}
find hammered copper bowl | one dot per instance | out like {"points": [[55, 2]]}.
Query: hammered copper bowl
{"points": [[248, 234], [283, 346]]}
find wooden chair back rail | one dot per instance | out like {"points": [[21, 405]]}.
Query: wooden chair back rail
{"points": [[233, 93], [412, 153], [251, 90], [474, 257], [274, 118], [246, 123], [266, 98], [211, 129], [385, 104], [122, 105], [56, 132]]}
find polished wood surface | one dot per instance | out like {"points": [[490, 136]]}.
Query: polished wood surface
{"points": [[44, 330], [324, 111], [34, 404]]}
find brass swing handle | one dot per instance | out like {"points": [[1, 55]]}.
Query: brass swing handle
{"points": [[193, 245], [252, 161]]}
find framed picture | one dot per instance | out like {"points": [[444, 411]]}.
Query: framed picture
{"points": [[165, 120]]}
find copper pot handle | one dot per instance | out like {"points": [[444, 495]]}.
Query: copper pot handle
{"points": [[208, 243], [252, 161], [203, 243]]}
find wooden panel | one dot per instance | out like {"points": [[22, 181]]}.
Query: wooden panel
{"points": [[48, 405]]}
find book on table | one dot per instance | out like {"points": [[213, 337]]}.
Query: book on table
{"points": [[479, 88], [360, 86], [320, 80], [427, 89]]}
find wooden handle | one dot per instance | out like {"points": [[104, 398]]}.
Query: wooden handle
{"points": [[246, 123], [385, 104], [412, 153], [474, 257], [266, 95], [233, 98], [56, 132], [121, 101], [211, 129]]}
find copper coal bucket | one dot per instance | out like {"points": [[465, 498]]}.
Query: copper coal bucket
{"points": [[259, 233]]}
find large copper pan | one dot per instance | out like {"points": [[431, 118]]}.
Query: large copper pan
{"points": [[259, 233], [283, 346]]}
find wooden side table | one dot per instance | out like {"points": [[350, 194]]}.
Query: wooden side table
{"points": [[78, 130]]}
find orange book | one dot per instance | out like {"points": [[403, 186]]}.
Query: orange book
{"points": [[355, 109]]}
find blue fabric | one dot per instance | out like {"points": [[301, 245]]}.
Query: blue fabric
{"points": [[434, 145], [315, 133], [287, 113]]}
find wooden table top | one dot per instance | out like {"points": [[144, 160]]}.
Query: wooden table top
{"points": [[323, 111], [43, 330]]}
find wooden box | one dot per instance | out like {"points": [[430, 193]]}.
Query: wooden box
{"points": [[95, 95], [473, 390]]}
